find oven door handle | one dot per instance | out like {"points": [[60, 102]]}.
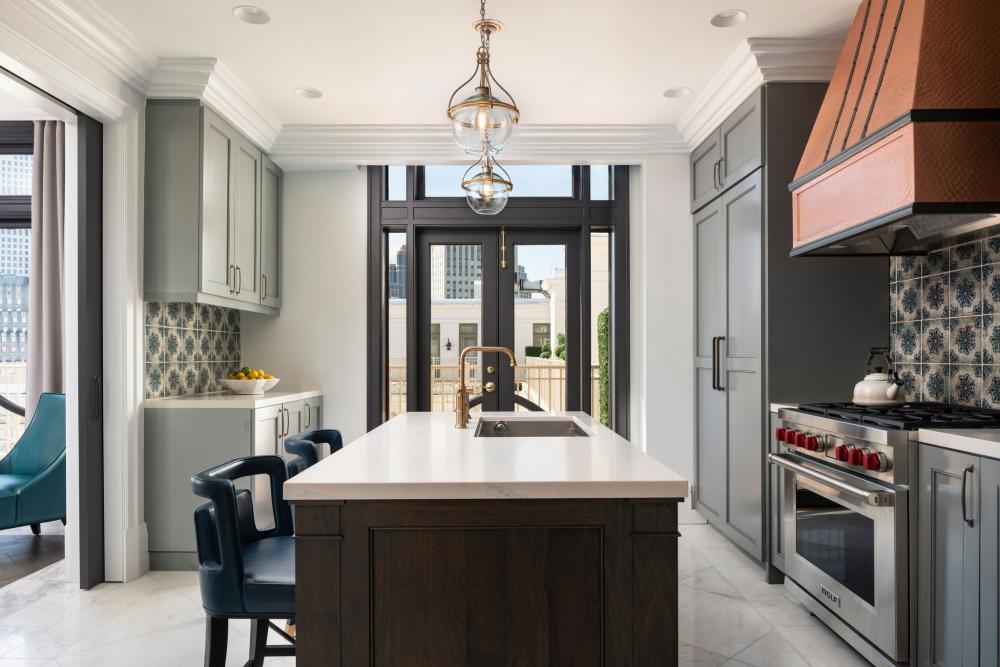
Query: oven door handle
{"points": [[874, 498]]}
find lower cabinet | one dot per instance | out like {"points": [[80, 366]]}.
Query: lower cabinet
{"points": [[957, 558], [272, 426]]}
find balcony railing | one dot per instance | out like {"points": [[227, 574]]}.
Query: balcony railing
{"points": [[543, 384]]}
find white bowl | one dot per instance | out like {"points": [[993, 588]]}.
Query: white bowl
{"points": [[249, 386]]}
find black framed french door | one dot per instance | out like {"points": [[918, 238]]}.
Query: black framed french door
{"points": [[520, 289]]}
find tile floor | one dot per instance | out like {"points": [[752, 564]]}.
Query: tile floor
{"points": [[728, 616]]}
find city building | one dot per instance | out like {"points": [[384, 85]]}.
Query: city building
{"points": [[396, 275], [15, 175]]}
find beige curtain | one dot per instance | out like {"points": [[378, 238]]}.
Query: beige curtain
{"points": [[45, 272]]}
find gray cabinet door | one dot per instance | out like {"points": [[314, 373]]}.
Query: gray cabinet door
{"points": [[948, 556], [217, 243], [266, 442], [710, 324], [742, 140], [705, 185], [312, 413], [246, 219], [295, 420], [270, 233], [989, 561], [741, 351]]}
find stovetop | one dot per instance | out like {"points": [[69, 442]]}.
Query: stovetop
{"points": [[907, 417]]}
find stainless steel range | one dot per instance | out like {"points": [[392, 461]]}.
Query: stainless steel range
{"points": [[847, 520]]}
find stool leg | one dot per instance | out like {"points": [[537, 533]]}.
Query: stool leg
{"points": [[258, 641], [216, 641]]}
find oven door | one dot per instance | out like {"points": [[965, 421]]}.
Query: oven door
{"points": [[846, 545]]}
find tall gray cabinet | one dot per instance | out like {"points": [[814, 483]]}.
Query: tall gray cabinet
{"points": [[213, 211], [767, 328], [957, 559]]}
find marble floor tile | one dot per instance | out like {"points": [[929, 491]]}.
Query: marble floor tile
{"points": [[689, 560], [710, 581], [771, 649], [721, 624], [821, 647], [692, 656]]}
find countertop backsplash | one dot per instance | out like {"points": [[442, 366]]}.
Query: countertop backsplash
{"points": [[944, 322], [189, 348]]}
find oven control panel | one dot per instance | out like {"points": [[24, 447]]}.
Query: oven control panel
{"points": [[867, 458]]}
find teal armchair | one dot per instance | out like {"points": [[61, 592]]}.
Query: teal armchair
{"points": [[33, 474]]}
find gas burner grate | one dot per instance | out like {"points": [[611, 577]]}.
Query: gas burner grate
{"points": [[908, 416]]}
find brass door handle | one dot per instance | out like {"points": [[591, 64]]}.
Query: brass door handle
{"points": [[490, 387]]}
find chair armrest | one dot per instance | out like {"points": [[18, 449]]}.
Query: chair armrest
{"points": [[46, 490], [6, 466]]}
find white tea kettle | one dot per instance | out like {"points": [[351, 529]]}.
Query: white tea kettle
{"points": [[878, 388]]}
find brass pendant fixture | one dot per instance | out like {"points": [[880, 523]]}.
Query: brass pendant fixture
{"points": [[482, 121], [488, 187]]}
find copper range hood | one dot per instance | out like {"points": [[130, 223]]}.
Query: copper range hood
{"points": [[905, 153]]}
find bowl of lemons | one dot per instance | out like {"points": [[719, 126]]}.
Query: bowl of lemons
{"points": [[248, 380]]}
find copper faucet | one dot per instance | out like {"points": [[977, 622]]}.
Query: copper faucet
{"points": [[461, 393]]}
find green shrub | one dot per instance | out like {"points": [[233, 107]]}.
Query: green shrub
{"points": [[532, 350], [604, 364], [561, 346]]}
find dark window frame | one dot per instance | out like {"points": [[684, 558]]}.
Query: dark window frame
{"points": [[16, 138], [578, 212]]}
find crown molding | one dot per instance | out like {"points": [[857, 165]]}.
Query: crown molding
{"points": [[755, 62], [211, 81], [303, 147]]}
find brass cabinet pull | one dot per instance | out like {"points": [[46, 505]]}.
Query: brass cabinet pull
{"points": [[288, 420], [308, 415]]}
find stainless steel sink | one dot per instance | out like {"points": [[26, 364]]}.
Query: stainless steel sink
{"points": [[538, 427]]}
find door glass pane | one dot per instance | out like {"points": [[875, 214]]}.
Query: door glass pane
{"points": [[456, 314], [395, 287], [837, 540], [529, 180], [395, 183], [600, 182], [540, 324], [600, 326]]}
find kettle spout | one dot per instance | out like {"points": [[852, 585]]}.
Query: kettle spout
{"points": [[894, 389]]}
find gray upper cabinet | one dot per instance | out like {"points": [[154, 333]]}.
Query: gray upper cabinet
{"points": [[729, 154], [705, 161], [246, 220], [949, 559], [204, 216], [217, 261], [741, 142], [270, 234]]}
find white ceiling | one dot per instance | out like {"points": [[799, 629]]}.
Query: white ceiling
{"points": [[397, 61]]}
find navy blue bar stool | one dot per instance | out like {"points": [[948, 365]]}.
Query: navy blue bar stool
{"points": [[306, 447], [244, 572]]}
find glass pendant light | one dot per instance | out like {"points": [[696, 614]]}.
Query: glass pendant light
{"points": [[485, 113], [488, 187]]}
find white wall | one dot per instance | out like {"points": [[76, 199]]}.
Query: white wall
{"points": [[319, 340], [662, 308]]}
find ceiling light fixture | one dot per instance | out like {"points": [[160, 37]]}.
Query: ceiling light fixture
{"points": [[485, 113], [488, 189], [309, 93], [251, 14], [677, 93], [728, 18]]}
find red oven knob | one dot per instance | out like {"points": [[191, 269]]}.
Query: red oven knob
{"points": [[790, 436], [812, 443], [856, 457], [800, 439], [841, 452], [875, 461], [779, 434]]}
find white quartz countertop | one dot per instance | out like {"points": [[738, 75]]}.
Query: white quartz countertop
{"points": [[422, 456], [228, 400], [975, 441]]}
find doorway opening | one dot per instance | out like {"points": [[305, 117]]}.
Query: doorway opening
{"points": [[546, 278]]}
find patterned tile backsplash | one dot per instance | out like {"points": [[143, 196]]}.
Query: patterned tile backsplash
{"points": [[189, 348], [944, 322]]}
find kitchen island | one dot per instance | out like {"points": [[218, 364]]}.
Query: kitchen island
{"points": [[423, 544]]}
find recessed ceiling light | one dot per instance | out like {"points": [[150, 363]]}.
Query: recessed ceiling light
{"points": [[309, 93], [251, 14], [728, 18], [677, 93]]}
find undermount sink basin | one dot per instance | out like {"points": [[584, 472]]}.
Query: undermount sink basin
{"points": [[530, 427]]}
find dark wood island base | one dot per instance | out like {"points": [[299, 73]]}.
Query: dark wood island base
{"points": [[442, 583]]}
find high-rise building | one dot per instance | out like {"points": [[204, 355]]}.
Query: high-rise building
{"points": [[15, 175], [396, 275], [455, 270]]}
